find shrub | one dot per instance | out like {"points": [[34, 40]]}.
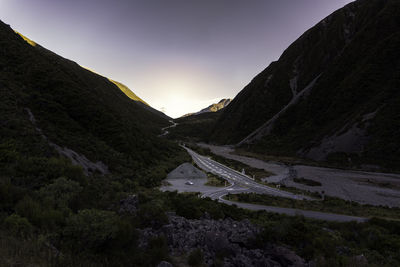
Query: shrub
{"points": [[158, 249], [59, 193], [195, 257], [152, 213], [91, 228], [30, 209], [18, 225]]}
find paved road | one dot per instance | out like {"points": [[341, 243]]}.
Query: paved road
{"points": [[165, 131], [241, 183], [374, 188], [236, 178]]}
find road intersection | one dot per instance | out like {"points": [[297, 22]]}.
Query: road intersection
{"points": [[241, 183]]}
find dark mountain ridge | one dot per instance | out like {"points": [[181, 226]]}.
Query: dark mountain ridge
{"points": [[333, 93]]}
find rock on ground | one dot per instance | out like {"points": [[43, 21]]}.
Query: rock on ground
{"points": [[164, 264], [129, 205], [233, 239]]}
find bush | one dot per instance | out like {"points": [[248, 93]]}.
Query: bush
{"points": [[91, 229], [152, 213], [59, 193], [18, 225], [195, 257], [158, 249], [30, 209]]}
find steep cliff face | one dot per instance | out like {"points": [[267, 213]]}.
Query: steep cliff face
{"points": [[334, 90]]}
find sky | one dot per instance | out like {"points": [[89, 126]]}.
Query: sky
{"points": [[178, 55]]}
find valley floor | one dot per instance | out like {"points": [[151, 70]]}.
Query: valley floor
{"points": [[186, 178], [380, 189]]}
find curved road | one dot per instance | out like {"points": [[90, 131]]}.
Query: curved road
{"points": [[164, 130], [241, 183], [236, 178]]}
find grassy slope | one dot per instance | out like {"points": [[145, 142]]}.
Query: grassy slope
{"points": [[128, 91], [358, 77]]}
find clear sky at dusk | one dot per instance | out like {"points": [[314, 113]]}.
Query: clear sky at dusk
{"points": [[178, 55]]}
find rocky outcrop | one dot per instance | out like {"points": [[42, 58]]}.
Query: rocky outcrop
{"points": [[164, 264], [229, 241]]}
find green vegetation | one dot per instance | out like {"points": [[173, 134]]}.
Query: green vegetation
{"points": [[328, 204], [128, 91], [51, 212], [74, 108], [195, 257], [85, 227], [195, 127], [214, 180]]}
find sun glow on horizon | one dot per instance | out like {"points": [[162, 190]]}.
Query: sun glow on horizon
{"points": [[181, 91]]}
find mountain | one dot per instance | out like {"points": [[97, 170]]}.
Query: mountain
{"points": [[197, 126], [213, 107], [52, 108], [333, 94]]}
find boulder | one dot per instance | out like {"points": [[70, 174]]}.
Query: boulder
{"points": [[227, 237]]}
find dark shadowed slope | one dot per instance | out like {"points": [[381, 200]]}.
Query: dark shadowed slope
{"points": [[334, 93], [83, 115]]}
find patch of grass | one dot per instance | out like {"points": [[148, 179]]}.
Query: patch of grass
{"points": [[128, 92], [214, 180]]}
